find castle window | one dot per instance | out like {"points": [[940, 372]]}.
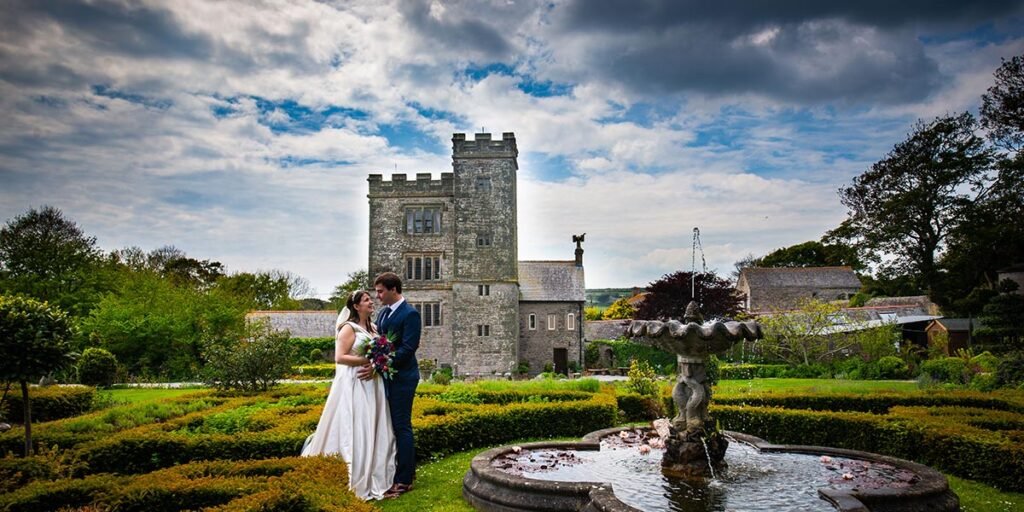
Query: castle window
{"points": [[483, 290], [570, 322], [483, 184], [430, 313], [423, 220], [483, 240], [483, 330], [533, 322], [422, 267], [552, 322]]}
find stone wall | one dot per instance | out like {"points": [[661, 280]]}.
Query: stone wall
{"points": [[789, 297], [537, 345], [435, 342], [301, 324], [496, 353]]}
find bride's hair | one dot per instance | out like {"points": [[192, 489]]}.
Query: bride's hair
{"points": [[349, 311]]}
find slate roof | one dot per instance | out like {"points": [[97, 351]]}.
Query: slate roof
{"points": [[959, 324], [809, 277], [1019, 267], [551, 281]]}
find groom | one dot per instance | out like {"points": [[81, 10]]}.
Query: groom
{"points": [[401, 323]]}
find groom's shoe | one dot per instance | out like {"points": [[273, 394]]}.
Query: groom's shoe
{"points": [[397, 490]]}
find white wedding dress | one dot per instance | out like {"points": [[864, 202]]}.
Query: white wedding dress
{"points": [[356, 424]]}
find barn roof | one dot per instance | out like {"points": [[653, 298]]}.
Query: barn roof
{"points": [[809, 277]]}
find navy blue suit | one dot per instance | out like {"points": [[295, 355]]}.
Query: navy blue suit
{"points": [[402, 327]]}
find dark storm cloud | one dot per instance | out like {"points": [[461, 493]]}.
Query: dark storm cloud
{"points": [[796, 51], [463, 30], [115, 27], [739, 15]]}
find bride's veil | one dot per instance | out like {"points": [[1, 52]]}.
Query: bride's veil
{"points": [[342, 318]]}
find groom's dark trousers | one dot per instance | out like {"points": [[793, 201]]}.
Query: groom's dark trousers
{"points": [[402, 326]]}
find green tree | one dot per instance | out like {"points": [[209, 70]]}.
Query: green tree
{"points": [[621, 309], [358, 280], [47, 256], [804, 336], [34, 341], [261, 290], [811, 254], [156, 328], [1002, 107], [903, 209], [668, 297]]}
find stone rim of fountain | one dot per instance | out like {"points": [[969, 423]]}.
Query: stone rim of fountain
{"points": [[489, 488]]}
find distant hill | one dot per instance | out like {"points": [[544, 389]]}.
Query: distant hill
{"points": [[603, 297]]}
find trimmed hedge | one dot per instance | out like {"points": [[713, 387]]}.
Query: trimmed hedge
{"points": [[208, 426], [294, 483], [879, 403], [50, 403], [304, 346], [939, 437], [635, 407], [313, 371]]}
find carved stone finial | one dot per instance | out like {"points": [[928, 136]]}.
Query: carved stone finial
{"points": [[693, 314]]}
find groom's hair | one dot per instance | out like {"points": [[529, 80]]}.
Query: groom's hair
{"points": [[390, 280]]}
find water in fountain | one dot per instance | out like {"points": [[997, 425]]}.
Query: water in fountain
{"points": [[752, 482]]}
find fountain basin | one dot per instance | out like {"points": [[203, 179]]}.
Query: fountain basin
{"points": [[487, 487]]}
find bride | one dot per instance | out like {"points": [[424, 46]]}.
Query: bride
{"points": [[356, 421]]}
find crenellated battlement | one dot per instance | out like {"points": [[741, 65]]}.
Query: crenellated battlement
{"points": [[484, 147], [400, 185]]}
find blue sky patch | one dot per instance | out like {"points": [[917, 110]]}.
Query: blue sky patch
{"points": [[409, 138], [476, 72], [109, 92]]}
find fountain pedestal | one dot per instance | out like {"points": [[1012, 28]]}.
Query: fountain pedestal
{"points": [[693, 448]]}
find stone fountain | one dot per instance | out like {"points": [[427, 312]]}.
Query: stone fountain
{"points": [[693, 447]]}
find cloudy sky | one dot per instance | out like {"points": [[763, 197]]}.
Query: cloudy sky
{"points": [[244, 131]]}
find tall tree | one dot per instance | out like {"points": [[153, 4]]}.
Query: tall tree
{"points": [[261, 290], [669, 296], [1002, 107], [358, 280], [903, 209], [34, 343], [810, 254], [47, 256]]}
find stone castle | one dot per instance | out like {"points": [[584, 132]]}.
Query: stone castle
{"points": [[454, 243]]}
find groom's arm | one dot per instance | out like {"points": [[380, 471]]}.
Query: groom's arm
{"points": [[410, 339]]}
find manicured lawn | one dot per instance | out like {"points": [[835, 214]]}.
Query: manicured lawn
{"points": [[439, 488], [737, 387], [140, 395], [978, 497]]}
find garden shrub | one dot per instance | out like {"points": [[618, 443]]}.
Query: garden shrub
{"points": [[808, 371], [984, 382], [875, 403], [946, 369], [52, 403], [642, 379], [253, 363], [893, 367], [97, 367], [636, 407], [310, 350], [625, 351], [986, 362], [1010, 372]]}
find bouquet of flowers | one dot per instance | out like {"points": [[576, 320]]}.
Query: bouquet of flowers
{"points": [[380, 352]]}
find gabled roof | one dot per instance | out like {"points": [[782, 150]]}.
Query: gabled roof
{"points": [[812, 277], [959, 324], [551, 281]]}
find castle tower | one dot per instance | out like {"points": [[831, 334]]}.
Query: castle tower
{"points": [[485, 276]]}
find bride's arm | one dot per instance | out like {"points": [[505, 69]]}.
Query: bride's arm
{"points": [[343, 345]]}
